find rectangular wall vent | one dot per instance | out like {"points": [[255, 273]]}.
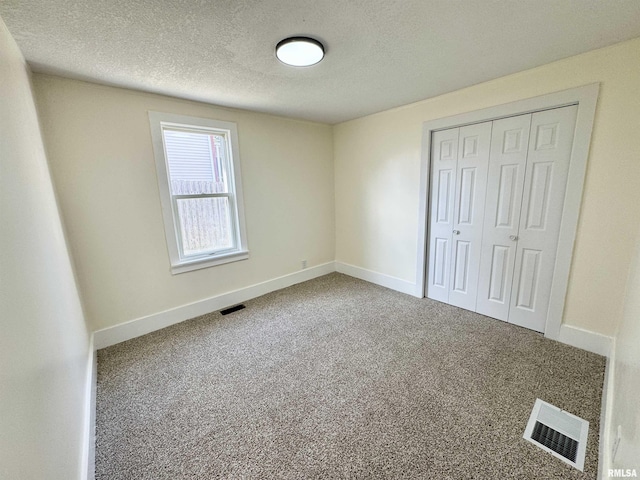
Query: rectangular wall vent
{"points": [[229, 310], [559, 443], [559, 433]]}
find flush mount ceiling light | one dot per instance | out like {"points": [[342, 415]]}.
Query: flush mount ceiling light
{"points": [[299, 51]]}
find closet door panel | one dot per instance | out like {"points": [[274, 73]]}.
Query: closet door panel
{"points": [[443, 181], [544, 190], [507, 165], [471, 181]]}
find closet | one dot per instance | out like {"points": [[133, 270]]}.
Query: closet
{"points": [[497, 191]]}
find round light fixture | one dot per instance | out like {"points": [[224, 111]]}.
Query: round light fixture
{"points": [[299, 51]]}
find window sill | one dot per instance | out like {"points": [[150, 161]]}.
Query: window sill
{"points": [[188, 266]]}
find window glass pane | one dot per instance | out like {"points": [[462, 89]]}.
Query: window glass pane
{"points": [[196, 162], [205, 225]]}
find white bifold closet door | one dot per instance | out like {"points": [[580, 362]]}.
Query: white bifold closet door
{"points": [[443, 174], [507, 165], [496, 206], [459, 175], [542, 201], [468, 213]]}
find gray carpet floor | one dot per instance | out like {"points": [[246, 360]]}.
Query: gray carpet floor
{"points": [[338, 378]]}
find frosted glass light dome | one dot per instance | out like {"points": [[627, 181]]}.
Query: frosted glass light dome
{"points": [[299, 51]]}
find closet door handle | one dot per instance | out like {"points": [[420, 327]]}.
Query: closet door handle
{"points": [[457, 232], [513, 237]]}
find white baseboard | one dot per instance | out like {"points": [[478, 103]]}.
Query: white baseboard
{"points": [[141, 326], [585, 339], [606, 430], [381, 279], [89, 444]]}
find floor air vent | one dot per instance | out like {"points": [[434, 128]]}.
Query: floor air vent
{"points": [[229, 310], [561, 434]]}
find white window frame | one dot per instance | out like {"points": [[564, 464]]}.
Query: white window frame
{"points": [[240, 250]]}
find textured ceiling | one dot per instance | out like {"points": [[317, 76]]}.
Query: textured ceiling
{"points": [[380, 53]]}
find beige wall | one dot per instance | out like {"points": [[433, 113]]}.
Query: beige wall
{"points": [[44, 344], [626, 368], [377, 177], [99, 146]]}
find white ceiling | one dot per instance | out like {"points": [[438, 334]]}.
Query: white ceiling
{"points": [[380, 53]]}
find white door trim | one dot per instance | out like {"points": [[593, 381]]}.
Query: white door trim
{"points": [[586, 98]]}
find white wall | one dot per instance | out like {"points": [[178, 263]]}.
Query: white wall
{"points": [[99, 147], [377, 179], [44, 345], [626, 380]]}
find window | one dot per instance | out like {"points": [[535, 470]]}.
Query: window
{"points": [[200, 191]]}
